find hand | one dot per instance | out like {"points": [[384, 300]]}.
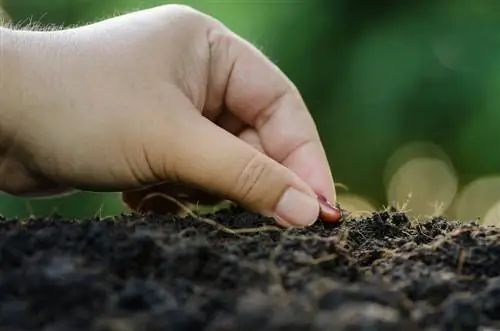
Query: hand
{"points": [[166, 97]]}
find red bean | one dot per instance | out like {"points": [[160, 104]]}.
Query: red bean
{"points": [[328, 212]]}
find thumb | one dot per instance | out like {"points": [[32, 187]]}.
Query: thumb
{"points": [[214, 160]]}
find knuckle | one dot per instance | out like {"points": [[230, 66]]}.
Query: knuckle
{"points": [[250, 179], [185, 14], [180, 9]]}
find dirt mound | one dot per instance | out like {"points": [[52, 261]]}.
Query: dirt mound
{"points": [[135, 272]]}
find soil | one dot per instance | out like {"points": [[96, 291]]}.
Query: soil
{"points": [[151, 272]]}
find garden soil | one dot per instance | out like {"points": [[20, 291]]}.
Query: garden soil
{"points": [[234, 270]]}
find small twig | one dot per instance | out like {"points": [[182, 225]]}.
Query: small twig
{"points": [[186, 232], [273, 266], [98, 213], [407, 202], [322, 259], [460, 231], [419, 226], [264, 228], [29, 208], [438, 208], [461, 260], [334, 239]]}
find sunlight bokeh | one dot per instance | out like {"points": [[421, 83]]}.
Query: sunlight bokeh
{"points": [[356, 204], [478, 198], [424, 182]]}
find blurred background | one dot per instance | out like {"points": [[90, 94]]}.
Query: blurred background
{"points": [[406, 94]]}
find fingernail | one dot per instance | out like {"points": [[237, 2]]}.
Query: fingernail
{"points": [[328, 212], [297, 208]]}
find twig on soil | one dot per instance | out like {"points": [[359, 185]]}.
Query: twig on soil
{"points": [[420, 230], [338, 242], [407, 202], [461, 260], [98, 213], [311, 237], [264, 228], [321, 259], [460, 231], [29, 208], [273, 266], [185, 232], [409, 235], [344, 240], [401, 209], [437, 244], [438, 209]]}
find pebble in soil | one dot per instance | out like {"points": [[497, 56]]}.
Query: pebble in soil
{"points": [[133, 272]]}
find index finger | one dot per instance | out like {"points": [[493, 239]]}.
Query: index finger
{"points": [[260, 94]]}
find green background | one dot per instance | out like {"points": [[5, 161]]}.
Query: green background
{"points": [[376, 75]]}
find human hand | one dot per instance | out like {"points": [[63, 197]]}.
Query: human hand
{"points": [[166, 97]]}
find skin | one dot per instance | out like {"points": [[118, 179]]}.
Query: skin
{"points": [[166, 96]]}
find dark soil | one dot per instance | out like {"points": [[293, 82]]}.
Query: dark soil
{"points": [[169, 273]]}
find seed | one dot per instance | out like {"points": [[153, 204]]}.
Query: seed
{"points": [[328, 212]]}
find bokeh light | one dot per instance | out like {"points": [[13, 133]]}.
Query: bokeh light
{"points": [[478, 199], [424, 181], [492, 217], [356, 204]]}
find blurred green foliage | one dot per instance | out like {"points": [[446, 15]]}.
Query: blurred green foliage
{"points": [[376, 75]]}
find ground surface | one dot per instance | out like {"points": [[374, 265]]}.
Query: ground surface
{"points": [[162, 273]]}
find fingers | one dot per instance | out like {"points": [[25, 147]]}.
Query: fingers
{"points": [[258, 93], [212, 159]]}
